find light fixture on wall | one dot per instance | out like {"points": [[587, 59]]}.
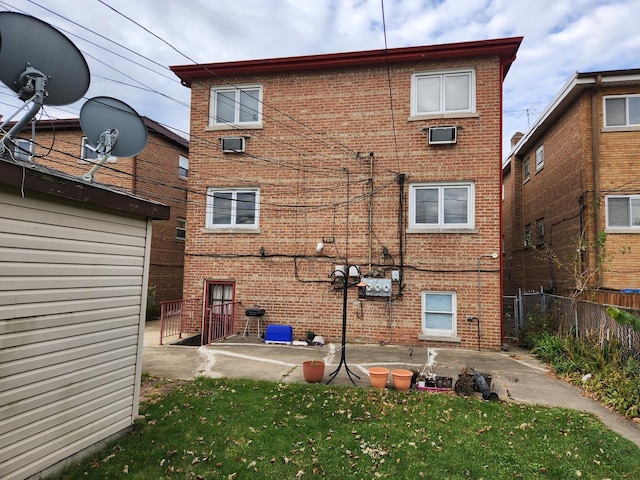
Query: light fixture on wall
{"points": [[319, 247]]}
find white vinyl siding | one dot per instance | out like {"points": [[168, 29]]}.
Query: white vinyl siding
{"points": [[71, 315]]}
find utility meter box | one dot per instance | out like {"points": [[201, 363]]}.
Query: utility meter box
{"points": [[377, 287]]}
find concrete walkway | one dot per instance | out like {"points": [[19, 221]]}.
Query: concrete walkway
{"points": [[516, 375]]}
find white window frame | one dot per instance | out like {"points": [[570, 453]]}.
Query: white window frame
{"points": [[439, 332], [441, 225], [233, 225], [182, 161], [181, 229], [19, 152], [627, 120], [526, 170], [442, 76], [632, 200], [94, 155], [539, 158], [236, 123]]}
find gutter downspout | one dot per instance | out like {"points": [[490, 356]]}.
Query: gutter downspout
{"points": [[595, 160]]}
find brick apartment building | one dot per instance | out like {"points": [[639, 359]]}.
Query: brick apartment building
{"points": [[573, 175], [302, 165], [157, 173]]}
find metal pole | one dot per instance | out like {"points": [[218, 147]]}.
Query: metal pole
{"points": [[343, 359]]}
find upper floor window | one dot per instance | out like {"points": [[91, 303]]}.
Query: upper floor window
{"points": [[181, 229], [623, 211], [539, 157], [90, 155], [22, 150], [183, 167], [526, 169], [622, 111], [236, 207], [236, 106], [450, 91], [527, 236], [442, 205], [540, 232]]}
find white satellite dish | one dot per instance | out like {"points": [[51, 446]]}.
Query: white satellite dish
{"points": [[113, 128], [40, 64]]}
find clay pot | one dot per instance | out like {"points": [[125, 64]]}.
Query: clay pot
{"points": [[402, 378], [313, 370], [378, 377]]}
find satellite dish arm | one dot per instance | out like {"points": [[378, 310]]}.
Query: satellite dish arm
{"points": [[34, 87], [108, 139]]}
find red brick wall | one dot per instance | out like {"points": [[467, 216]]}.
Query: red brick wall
{"points": [[300, 167], [156, 178]]}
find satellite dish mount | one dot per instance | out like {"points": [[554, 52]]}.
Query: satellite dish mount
{"points": [[114, 128], [40, 65]]}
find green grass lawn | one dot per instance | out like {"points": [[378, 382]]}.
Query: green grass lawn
{"points": [[236, 429]]}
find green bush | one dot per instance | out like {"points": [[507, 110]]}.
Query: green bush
{"points": [[153, 306], [615, 382], [536, 327]]}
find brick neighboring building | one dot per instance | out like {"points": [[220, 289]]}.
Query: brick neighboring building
{"points": [[576, 171], [157, 173], [334, 150]]}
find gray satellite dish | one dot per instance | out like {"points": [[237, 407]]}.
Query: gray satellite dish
{"points": [[30, 44], [113, 128], [40, 64]]}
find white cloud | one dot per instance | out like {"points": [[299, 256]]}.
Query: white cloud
{"points": [[560, 38]]}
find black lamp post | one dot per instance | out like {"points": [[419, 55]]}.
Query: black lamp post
{"points": [[345, 289]]}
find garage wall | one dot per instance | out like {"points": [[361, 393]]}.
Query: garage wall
{"points": [[72, 296]]}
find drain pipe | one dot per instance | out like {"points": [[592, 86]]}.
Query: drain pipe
{"points": [[494, 256]]}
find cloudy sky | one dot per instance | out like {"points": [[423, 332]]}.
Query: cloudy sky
{"points": [[129, 44]]}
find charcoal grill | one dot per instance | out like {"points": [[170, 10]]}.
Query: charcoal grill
{"points": [[253, 313]]}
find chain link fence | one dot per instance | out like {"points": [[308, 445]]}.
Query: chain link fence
{"points": [[567, 316]]}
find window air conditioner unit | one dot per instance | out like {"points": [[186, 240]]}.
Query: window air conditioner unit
{"points": [[233, 145], [443, 135]]}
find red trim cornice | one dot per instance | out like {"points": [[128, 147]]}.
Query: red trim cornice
{"points": [[505, 48]]}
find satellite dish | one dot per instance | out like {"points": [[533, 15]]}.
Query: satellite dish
{"points": [[113, 128], [32, 47]]}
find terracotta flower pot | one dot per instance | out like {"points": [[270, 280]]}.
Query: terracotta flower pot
{"points": [[402, 379], [378, 377], [313, 370]]}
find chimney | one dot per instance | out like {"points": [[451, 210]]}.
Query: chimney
{"points": [[516, 138]]}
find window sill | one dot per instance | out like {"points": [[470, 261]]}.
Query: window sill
{"points": [[622, 230], [233, 126], [443, 116], [440, 338], [231, 230], [441, 230], [621, 128]]}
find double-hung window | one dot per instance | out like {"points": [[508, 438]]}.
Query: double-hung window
{"points": [[443, 92], [236, 106], [622, 111], [183, 167], [439, 313], [235, 207], [442, 205], [623, 211], [540, 158]]}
